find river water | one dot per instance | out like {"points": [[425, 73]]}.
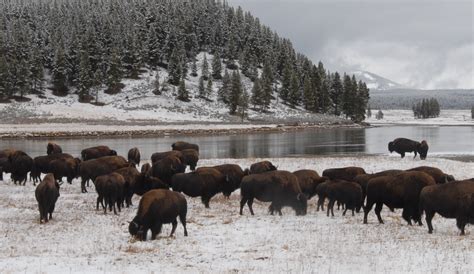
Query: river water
{"points": [[446, 141]]}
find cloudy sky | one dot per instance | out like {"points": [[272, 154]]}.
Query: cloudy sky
{"points": [[420, 43]]}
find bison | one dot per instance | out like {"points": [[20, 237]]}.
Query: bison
{"points": [[439, 176], [42, 164], [165, 168], [184, 145], [53, 148], [110, 189], [262, 167], [47, 193], [344, 192], [65, 167], [155, 157], [97, 152], [399, 191], [363, 179], [190, 158], [403, 145], [344, 173], [234, 173], [279, 187], [134, 156], [308, 181], [91, 169], [450, 200], [158, 207], [205, 182], [20, 164], [145, 168]]}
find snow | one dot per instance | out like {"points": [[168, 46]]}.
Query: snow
{"points": [[447, 117], [81, 239]]}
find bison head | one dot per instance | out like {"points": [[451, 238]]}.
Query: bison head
{"points": [[133, 228], [449, 178], [301, 204], [422, 149], [113, 153], [390, 147]]}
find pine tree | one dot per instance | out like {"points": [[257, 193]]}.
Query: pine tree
{"points": [[243, 105], [209, 87], [235, 92], [36, 70], [224, 91], [336, 93], [114, 73], [205, 68], [369, 112], [349, 97], [23, 77], [202, 88], [175, 70], [286, 83], [379, 115], [295, 92], [59, 73], [84, 81], [256, 98], [183, 94], [156, 84], [4, 78], [266, 85], [308, 94], [325, 100], [217, 66], [194, 68], [472, 112]]}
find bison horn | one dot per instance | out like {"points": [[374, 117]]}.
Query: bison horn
{"points": [[298, 197]]}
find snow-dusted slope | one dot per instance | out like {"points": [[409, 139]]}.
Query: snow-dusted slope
{"points": [[374, 81]]}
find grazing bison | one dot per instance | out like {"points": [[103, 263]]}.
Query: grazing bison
{"points": [[47, 193], [183, 145], [53, 148], [20, 164], [344, 192], [155, 157], [281, 188], [439, 176], [110, 189], [134, 156], [204, 182], [190, 158], [97, 152], [262, 167], [450, 200], [65, 167], [399, 191], [343, 173], [146, 168], [403, 145], [165, 168], [234, 174], [363, 179], [42, 164], [91, 169], [4, 163], [158, 207], [308, 181]]}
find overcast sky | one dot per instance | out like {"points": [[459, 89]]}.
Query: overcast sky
{"points": [[419, 43]]}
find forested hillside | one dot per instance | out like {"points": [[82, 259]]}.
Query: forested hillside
{"points": [[81, 47]]}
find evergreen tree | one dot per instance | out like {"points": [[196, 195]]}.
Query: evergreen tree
{"points": [[183, 94], [472, 112], [235, 92], [369, 112], [36, 70], [224, 91], [175, 70], [379, 115], [23, 82], [59, 73], [84, 81], [295, 92], [205, 68], [256, 98], [349, 97], [4, 78], [156, 84], [243, 105], [209, 87], [114, 73], [316, 88], [308, 94], [286, 83], [325, 100], [217, 66], [336, 93], [202, 88], [194, 68]]}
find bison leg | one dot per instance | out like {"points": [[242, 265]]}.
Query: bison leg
{"points": [[402, 154], [461, 224], [330, 207], [155, 230], [205, 201], [242, 204], [83, 186], [320, 203], [429, 217], [414, 157], [182, 219], [344, 212], [175, 224], [406, 214], [250, 203], [378, 209]]}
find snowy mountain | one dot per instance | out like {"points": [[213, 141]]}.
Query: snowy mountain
{"points": [[376, 82]]}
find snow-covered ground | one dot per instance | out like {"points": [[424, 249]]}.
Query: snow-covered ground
{"points": [[81, 239], [447, 117]]}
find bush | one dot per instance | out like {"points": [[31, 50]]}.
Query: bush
{"points": [[379, 115], [427, 108]]}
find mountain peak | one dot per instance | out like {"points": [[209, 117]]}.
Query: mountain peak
{"points": [[374, 81]]}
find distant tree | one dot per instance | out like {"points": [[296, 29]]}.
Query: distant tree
{"points": [[194, 68], [256, 97], [84, 81], [369, 112], [308, 94], [175, 69], [201, 88], [59, 73], [156, 84], [114, 73], [209, 87], [243, 105], [183, 94], [217, 66], [205, 68], [336, 93], [472, 112], [295, 93], [235, 92], [379, 115], [426, 108], [224, 91], [286, 83]]}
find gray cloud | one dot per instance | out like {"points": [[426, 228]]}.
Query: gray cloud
{"points": [[424, 44]]}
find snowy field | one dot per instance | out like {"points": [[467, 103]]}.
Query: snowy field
{"points": [[81, 239], [447, 117]]}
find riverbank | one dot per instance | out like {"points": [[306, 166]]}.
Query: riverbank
{"points": [[448, 117], [220, 240]]}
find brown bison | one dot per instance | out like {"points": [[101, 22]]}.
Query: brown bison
{"points": [[53, 148], [155, 157], [261, 167], [4, 163], [158, 207], [184, 145], [344, 173], [321, 191], [165, 168], [134, 156], [308, 181], [205, 182], [279, 187], [19, 164], [65, 167], [399, 191], [450, 200], [403, 145], [363, 179], [110, 189], [234, 174], [97, 152], [91, 169], [190, 158], [47, 193], [344, 192], [42, 164], [145, 168], [439, 176]]}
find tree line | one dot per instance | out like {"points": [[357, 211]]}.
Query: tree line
{"points": [[426, 108], [72, 46]]}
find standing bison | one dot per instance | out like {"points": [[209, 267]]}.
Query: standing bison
{"points": [[158, 207], [363, 179], [110, 190], [65, 167], [205, 182], [190, 158], [53, 148], [399, 191], [308, 181], [234, 174], [4, 163], [343, 173], [439, 176], [134, 156], [91, 169], [344, 192], [164, 169], [281, 188], [403, 145], [47, 193], [451, 200], [155, 157], [42, 164], [97, 152], [20, 164], [184, 145], [262, 167]]}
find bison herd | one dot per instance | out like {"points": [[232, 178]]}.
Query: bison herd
{"points": [[416, 191]]}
